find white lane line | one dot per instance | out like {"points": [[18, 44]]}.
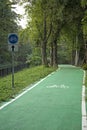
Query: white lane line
{"points": [[62, 86], [84, 115], [6, 104]]}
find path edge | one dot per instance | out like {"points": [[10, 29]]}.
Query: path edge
{"points": [[28, 88], [84, 114]]}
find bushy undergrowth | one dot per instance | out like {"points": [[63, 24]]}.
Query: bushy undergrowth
{"points": [[84, 66], [21, 80]]}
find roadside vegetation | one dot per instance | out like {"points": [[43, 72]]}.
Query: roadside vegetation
{"points": [[23, 79], [56, 33]]}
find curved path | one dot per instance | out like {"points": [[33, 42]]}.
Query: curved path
{"points": [[54, 103]]}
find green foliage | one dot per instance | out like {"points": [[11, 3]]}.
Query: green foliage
{"points": [[47, 18], [84, 19], [23, 51], [53, 16], [23, 79], [84, 24], [83, 3], [24, 36], [33, 60], [7, 25], [84, 66]]}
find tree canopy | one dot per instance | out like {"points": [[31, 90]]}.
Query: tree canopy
{"points": [[49, 19], [54, 27], [7, 25]]}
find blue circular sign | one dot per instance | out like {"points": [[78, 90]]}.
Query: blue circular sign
{"points": [[13, 38]]}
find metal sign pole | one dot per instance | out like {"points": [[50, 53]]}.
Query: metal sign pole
{"points": [[12, 66], [13, 47]]}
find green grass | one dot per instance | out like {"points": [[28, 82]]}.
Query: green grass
{"points": [[21, 80]]}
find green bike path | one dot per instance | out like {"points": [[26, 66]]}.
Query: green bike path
{"points": [[53, 104]]}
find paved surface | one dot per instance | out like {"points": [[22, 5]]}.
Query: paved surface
{"points": [[53, 104]]}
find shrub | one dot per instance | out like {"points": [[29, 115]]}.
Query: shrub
{"points": [[84, 66]]}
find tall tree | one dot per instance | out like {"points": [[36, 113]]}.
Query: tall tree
{"points": [[57, 24], [40, 22], [74, 14], [48, 18], [84, 26], [7, 25]]}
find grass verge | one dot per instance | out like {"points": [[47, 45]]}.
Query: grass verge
{"points": [[21, 80]]}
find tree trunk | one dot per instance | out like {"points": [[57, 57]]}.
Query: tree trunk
{"points": [[51, 54], [85, 55], [44, 42], [76, 51], [44, 54], [55, 58], [76, 58], [73, 57]]}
